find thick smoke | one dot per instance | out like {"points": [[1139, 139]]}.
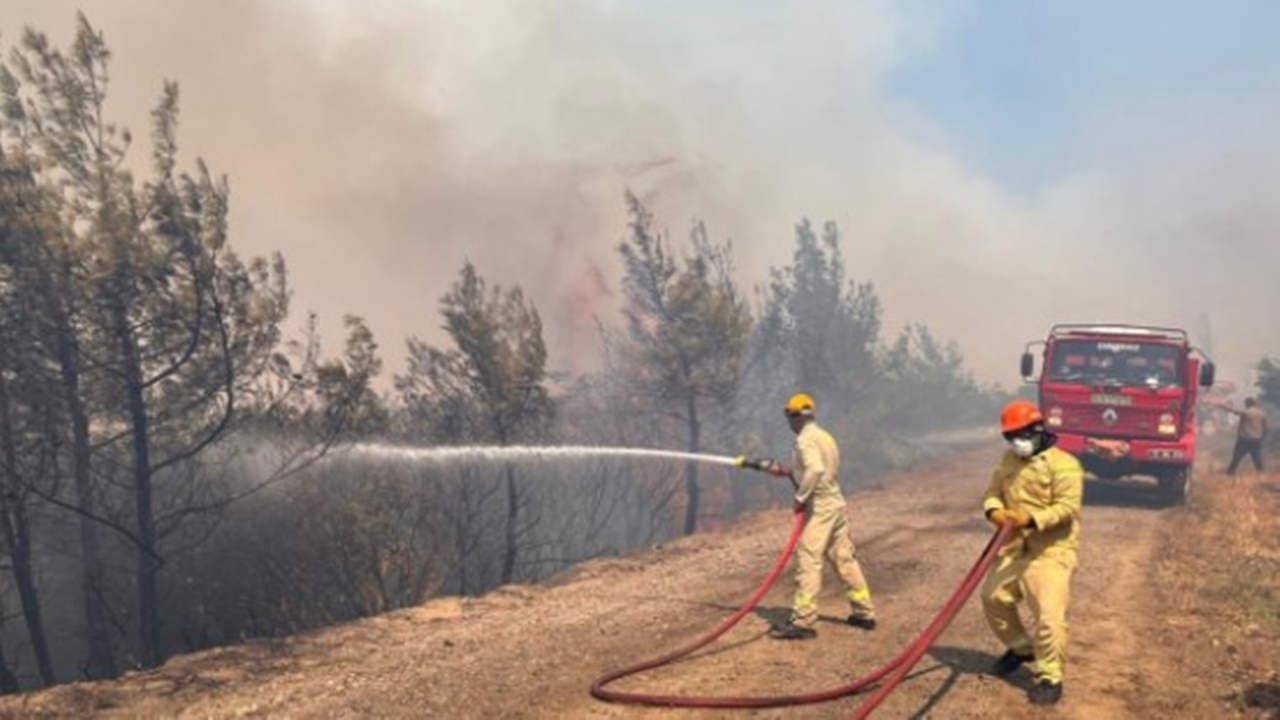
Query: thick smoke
{"points": [[379, 144]]}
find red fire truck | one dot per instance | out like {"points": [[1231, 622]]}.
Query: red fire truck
{"points": [[1122, 398]]}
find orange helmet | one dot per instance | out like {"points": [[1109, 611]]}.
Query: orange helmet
{"points": [[800, 404], [1018, 415]]}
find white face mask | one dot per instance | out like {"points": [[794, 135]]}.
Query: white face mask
{"points": [[1023, 447]]}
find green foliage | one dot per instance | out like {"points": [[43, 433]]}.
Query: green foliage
{"points": [[492, 386], [1268, 384], [826, 326], [152, 334], [165, 308], [687, 325], [687, 331], [343, 386], [820, 333], [1268, 381], [928, 386]]}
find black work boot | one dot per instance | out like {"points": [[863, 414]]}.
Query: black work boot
{"points": [[862, 621], [1045, 693], [1009, 662], [791, 631]]}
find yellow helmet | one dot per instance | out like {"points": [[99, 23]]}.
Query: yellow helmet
{"points": [[800, 404]]}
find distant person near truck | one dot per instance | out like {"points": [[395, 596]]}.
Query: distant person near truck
{"points": [[1251, 430]]}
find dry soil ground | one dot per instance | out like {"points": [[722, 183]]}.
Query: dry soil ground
{"points": [[1174, 614]]}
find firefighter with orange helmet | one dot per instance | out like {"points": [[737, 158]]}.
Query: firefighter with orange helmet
{"points": [[1038, 488], [816, 474]]}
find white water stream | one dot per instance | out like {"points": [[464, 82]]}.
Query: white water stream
{"points": [[498, 453]]}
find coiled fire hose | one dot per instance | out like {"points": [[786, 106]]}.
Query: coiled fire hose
{"points": [[896, 669]]}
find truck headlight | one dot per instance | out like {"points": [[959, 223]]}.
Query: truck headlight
{"points": [[1055, 417], [1167, 426]]}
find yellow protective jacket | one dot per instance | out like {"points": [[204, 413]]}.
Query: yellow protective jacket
{"points": [[816, 466], [1049, 487]]}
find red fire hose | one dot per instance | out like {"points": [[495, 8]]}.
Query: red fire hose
{"points": [[899, 666], [916, 650]]}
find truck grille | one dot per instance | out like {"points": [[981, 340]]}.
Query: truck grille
{"points": [[1110, 420]]}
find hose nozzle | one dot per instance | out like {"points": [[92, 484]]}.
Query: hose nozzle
{"points": [[767, 465]]}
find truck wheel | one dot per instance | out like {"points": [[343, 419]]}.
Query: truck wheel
{"points": [[1175, 486]]}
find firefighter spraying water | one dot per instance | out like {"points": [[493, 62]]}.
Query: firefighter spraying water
{"points": [[820, 529], [816, 462]]}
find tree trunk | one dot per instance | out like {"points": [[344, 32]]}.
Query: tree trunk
{"points": [[464, 519], [8, 681], [511, 536], [17, 538], [460, 546], [101, 663], [510, 548], [148, 565], [692, 492], [24, 578]]}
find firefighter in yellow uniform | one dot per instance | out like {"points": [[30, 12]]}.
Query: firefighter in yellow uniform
{"points": [[816, 474], [1038, 488]]}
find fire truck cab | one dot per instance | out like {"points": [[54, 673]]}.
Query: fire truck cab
{"points": [[1122, 398]]}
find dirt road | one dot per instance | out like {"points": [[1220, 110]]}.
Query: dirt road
{"points": [[533, 651]]}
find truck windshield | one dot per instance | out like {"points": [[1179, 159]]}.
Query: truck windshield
{"points": [[1122, 363]]}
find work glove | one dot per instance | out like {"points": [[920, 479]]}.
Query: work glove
{"points": [[1019, 517], [996, 516]]}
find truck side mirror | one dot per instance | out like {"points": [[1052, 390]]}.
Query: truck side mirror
{"points": [[1207, 372], [1028, 365]]}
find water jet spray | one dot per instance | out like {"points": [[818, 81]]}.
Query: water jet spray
{"points": [[500, 453]]}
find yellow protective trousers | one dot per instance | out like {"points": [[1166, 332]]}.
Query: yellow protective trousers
{"points": [[1042, 581], [826, 533]]}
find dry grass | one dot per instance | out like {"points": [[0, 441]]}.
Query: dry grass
{"points": [[1239, 528], [1219, 572]]}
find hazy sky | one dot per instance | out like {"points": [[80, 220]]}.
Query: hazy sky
{"points": [[996, 167]]}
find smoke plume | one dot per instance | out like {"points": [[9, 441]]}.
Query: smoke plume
{"points": [[378, 145]]}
